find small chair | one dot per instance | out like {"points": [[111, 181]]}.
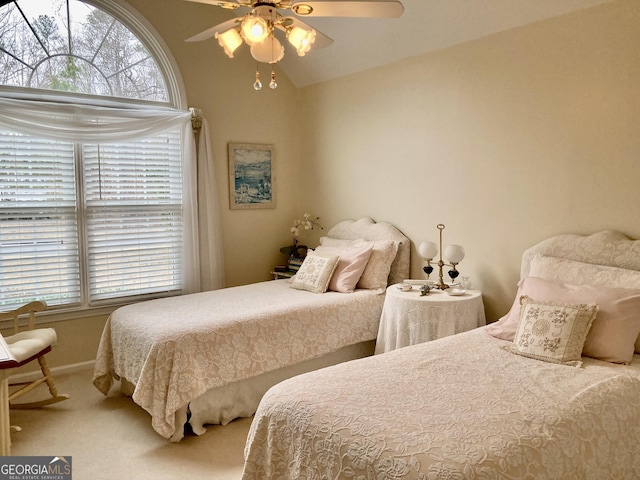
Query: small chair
{"points": [[26, 346]]}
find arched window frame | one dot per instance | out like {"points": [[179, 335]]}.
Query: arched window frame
{"points": [[149, 37]]}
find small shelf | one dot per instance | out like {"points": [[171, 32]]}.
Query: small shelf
{"points": [[277, 274]]}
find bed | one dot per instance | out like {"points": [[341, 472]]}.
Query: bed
{"points": [[475, 405], [208, 358]]}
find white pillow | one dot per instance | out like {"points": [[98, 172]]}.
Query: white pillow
{"points": [[351, 265], [552, 332], [315, 273], [580, 273], [376, 273]]}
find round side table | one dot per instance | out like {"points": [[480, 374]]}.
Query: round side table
{"points": [[409, 318]]}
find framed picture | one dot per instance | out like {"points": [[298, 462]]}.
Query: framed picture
{"points": [[252, 178]]}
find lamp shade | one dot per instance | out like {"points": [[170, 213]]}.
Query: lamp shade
{"points": [[428, 250], [301, 39], [229, 41], [454, 253], [269, 51], [254, 30]]}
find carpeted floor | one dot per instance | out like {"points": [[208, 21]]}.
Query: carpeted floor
{"points": [[111, 438]]}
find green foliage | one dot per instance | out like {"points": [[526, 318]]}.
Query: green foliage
{"points": [[67, 79]]}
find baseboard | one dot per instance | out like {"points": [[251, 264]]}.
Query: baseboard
{"points": [[55, 371]]}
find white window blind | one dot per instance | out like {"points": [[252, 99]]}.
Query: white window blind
{"points": [[39, 257], [133, 205], [126, 239]]}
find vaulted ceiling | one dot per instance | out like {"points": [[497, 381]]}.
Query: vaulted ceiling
{"points": [[425, 26]]}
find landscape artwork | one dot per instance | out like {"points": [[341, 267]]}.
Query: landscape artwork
{"points": [[251, 176]]}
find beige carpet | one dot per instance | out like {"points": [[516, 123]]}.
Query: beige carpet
{"points": [[111, 438]]}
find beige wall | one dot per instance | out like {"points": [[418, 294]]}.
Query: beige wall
{"points": [[506, 140]]}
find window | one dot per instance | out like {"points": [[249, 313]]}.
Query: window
{"points": [[91, 208], [69, 45]]}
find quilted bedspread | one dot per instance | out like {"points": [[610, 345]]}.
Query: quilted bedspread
{"points": [[456, 408], [175, 349]]}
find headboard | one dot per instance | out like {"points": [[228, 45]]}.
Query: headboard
{"points": [[365, 228], [603, 248]]}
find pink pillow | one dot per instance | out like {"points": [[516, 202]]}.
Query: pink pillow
{"points": [[614, 331], [352, 262], [376, 272]]}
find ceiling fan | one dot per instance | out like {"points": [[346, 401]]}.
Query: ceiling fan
{"points": [[258, 27]]}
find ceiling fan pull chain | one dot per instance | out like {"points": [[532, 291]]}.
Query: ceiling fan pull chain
{"points": [[273, 84], [257, 85]]}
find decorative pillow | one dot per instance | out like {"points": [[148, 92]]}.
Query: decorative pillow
{"points": [[351, 264], [315, 273], [614, 331], [339, 242], [580, 273], [376, 273], [552, 332]]}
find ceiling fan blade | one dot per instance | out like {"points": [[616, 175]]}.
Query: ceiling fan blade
{"points": [[353, 8], [321, 39], [228, 4], [210, 32]]}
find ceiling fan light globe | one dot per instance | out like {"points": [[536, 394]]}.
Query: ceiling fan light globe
{"points": [[301, 39], [254, 30], [269, 51], [229, 41]]}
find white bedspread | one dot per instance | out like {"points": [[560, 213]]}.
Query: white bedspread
{"points": [[175, 349], [456, 408]]}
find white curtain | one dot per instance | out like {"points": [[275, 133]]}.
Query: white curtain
{"points": [[55, 118], [67, 122], [211, 254]]}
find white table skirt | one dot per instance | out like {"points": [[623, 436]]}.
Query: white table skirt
{"points": [[409, 318]]}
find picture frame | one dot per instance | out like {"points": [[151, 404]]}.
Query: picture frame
{"points": [[252, 180]]}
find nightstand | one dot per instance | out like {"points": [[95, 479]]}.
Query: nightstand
{"points": [[409, 318]]}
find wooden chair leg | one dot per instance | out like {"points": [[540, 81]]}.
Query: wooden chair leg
{"points": [[47, 375], [46, 378]]}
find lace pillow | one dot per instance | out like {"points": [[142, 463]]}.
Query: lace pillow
{"points": [[376, 273], [580, 273], [614, 331], [315, 273], [351, 265], [552, 332]]}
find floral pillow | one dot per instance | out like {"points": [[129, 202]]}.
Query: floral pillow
{"points": [[315, 273], [580, 273], [552, 332]]}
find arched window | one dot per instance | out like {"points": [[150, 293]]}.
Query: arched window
{"points": [[72, 46], [93, 157]]}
